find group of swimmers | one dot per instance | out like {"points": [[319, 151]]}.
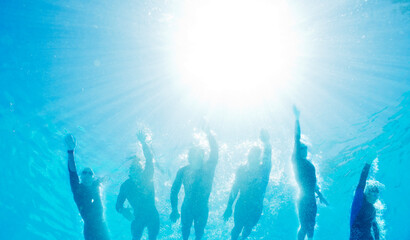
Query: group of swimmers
{"points": [[197, 177]]}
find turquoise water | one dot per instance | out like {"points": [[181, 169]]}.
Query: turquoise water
{"points": [[102, 70]]}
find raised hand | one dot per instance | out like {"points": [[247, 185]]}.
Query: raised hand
{"points": [[70, 142], [141, 136], [174, 216]]}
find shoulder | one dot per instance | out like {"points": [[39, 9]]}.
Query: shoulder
{"points": [[182, 170], [125, 185]]}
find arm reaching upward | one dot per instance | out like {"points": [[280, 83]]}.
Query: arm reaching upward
{"points": [[359, 194], [232, 197], [176, 187], [363, 177], [213, 155], [72, 170], [149, 163], [71, 144], [295, 156], [267, 154]]}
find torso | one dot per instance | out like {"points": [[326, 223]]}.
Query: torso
{"points": [[197, 185], [361, 227], [88, 200], [306, 178], [141, 195], [252, 186]]}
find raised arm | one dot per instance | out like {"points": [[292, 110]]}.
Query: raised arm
{"points": [[363, 177], [267, 153], [149, 164], [72, 170], [297, 135], [213, 155], [359, 194], [176, 187], [232, 197]]}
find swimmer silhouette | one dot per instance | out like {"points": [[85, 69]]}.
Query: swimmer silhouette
{"points": [[305, 174], [197, 178], [363, 213], [139, 190], [250, 184], [87, 196]]}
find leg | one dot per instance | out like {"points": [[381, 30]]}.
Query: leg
{"points": [[311, 220], [301, 233], [236, 231], [186, 222], [246, 232], [137, 228], [103, 232], [307, 218], [96, 231], [200, 221], [251, 221], [153, 226], [238, 219], [87, 232]]}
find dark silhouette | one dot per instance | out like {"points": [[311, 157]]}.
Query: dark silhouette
{"points": [[363, 213], [87, 196], [139, 190], [305, 174], [197, 178], [250, 184]]}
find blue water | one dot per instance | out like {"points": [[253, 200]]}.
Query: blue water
{"points": [[103, 69]]}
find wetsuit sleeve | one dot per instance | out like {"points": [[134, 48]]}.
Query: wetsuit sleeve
{"points": [[176, 187], [74, 180], [295, 158], [235, 189], [359, 194], [149, 164], [267, 161], [213, 155], [119, 206]]}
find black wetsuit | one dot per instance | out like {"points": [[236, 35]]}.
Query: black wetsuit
{"points": [[363, 213], [197, 187], [141, 196], [88, 200], [251, 186]]}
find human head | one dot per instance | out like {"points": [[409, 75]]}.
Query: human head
{"points": [[371, 193], [87, 176], [135, 170], [196, 157], [303, 150], [254, 156]]}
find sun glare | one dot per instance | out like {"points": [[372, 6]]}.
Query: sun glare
{"points": [[235, 52]]}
